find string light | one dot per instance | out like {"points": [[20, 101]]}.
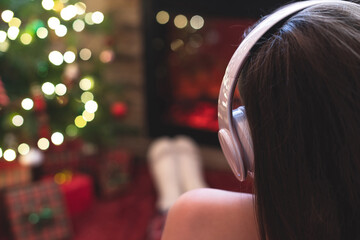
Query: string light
{"points": [[27, 104], [88, 116], [85, 54], [9, 155], [43, 144], [97, 17], [23, 149], [17, 120], [78, 25], [57, 138], [7, 15], [60, 89], [48, 88], [42, 32], [56, 58], [162, 17]]}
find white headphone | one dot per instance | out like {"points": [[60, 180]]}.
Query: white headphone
{"points": [[234, 134]]}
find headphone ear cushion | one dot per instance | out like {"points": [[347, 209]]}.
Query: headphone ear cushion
{"points": [[244, 137]]}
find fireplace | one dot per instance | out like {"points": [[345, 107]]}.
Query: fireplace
{"points": [[188, 44]]}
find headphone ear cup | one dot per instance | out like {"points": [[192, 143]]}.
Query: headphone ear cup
{"points": [[244, 137]]}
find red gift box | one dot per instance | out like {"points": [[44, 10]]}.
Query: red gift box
{"points": [[12, 174], [37, 212]]}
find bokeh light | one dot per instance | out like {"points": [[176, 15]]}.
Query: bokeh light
{"points": [[91, 106], [87, 96], [56, 58], [80, 122], [68, 12], [71, 130], [47, 4], [180, 21], [86, 83], [26, 38], [48, 88], [162, 17], [197, 22], [17, 120], [13, 32], [80, 7], [78, 25], [61, 30], [15, 22], [88, 116], [27, 103], [53, 22], [7, 15], [97, 17], [23, 149], [85, 54], [176, 44], [57, 138], [42, 32], [88, 19], [3, 36], [43, 143], [69, 56], [1, 153], [9, 155]]}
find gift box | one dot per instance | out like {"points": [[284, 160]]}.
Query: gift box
{"points": [[114, 172], [12, 174], [37, 212]]}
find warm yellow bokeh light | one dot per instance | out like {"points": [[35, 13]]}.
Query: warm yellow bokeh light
{"points": [[7, 15], [80, 7], [60, 89], [88, 116], [85, 54], [43, 144], [91, 106], [13, 32], [87, 96], [57, 138], [47, 4], [15, 22], [197, 22], [3, 36], [48, 88], [61, 30], [23, 149], [17, 120], [162, 17], [26, 38], [86, 84], [97, 17], [56, 58], [42, 32], [180, 21], [80, 122], [78, 25], [53, 22], [27, 103]]}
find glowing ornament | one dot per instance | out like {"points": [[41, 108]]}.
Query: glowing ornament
{"points": [[43, 143], [56, 58], [119, 109], [9, 155], [27, 103], [7, 15], [57, 138], [17, 120]]}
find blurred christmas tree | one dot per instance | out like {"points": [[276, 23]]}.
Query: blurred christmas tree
{"points": [[52, 84]]}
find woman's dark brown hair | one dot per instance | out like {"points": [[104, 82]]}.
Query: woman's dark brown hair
{"points": [[301, 90]]}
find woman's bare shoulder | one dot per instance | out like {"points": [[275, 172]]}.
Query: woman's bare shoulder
{"points": [[212, 214]]}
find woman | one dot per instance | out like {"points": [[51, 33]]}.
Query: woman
{"points": [[301, 89]]}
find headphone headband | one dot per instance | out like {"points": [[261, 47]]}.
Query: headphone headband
{"points": [[231, 143]]}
